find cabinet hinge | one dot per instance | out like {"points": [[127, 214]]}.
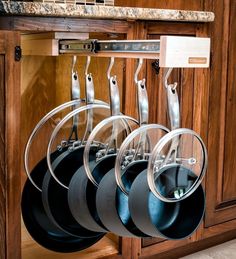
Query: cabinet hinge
{"points": [[18, 53]]}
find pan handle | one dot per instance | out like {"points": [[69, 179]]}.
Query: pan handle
{"points": [[89, 88], [143, 110], [114, 103], [115, 110], [60, 125], [75, 95], [126, 143], [174, 115], [152, 174]]}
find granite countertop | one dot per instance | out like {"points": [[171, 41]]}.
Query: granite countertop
{"points": [[101, 12]]}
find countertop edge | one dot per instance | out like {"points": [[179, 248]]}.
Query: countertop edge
{"points": [[101, 12]]}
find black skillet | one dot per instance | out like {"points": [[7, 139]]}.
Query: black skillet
{"points": [[54, 196], [176, 220], [111, 205], [57, 178]]}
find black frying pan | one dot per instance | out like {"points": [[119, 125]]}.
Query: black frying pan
{"points": [[37, 222], [57, 179], [54, 196], [176, 220]]}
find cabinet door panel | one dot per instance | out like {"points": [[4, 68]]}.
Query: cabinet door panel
{"points": [[221, 177], [229, 190]]}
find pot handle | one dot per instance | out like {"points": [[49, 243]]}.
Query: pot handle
{"points": [[174, 115], [89, 88], [143, 115], [89, 95], [75, 95], [115, 110]]}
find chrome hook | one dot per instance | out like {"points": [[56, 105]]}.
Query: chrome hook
{"points": [[74, 61], [140, 63], [112, 60], [167, 73], [87, 64]]}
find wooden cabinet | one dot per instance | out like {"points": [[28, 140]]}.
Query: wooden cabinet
{"points": [[221, 177], [207, 98], [9, 147]]}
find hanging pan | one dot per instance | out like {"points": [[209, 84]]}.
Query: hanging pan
{"points": [[60, 172], [175, 206], [82, 191]]}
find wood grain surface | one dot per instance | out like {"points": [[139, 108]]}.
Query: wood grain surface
{"points": [[221, 179], [2, 160], [48, 24], [9, 147], [171, 4], [107, 246], [229, 192]]}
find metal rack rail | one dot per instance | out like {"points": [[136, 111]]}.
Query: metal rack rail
{"points": [[172, 51]]}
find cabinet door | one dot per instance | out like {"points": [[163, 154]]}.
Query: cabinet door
{"points": [[9, 147], [221, 176]]}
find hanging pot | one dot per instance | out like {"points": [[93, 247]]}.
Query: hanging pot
{"points": [[171, 220], [82, 191], [83, 185], [57, 179], [175, 206]]}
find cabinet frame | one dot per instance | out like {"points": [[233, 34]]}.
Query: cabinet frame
{"points": [[10, 187]]}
